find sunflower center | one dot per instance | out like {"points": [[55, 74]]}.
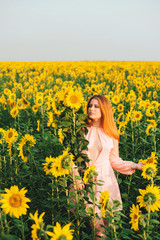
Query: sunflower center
{"points": [[150, 160], [62, 237], [15, 200], [149, 171], [10, 134], [135, 216], [25, 102], [49, 166], [73, 99], [66, 162], [150, 197]]}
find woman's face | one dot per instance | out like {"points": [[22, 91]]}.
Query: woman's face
{"points": [[94, 111]]}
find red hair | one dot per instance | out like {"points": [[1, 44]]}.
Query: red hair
{"points": [[107, 119]]}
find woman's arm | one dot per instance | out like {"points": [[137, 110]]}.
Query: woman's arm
{"points": [[124, 167], [79, 183]]}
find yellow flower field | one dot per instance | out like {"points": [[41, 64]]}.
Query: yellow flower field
{"points": [[42, 126]]}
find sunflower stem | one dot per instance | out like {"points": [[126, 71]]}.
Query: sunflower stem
{"points": [[67, 194], [113, 225], [94, 216], [52, 202], [149, 214], [154, 139], [2, 227], [6, 224], [22, 229], [74, 122], [77, 202], [32, 158], [58, 197]]}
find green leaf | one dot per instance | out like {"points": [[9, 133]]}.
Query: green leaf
{"points": [[9, 237], [154, 221], [66, 124]]}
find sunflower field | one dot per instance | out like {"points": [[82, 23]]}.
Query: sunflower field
{"points": [[42, 144]]}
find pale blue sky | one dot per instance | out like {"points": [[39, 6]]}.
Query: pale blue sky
{"points": [[57, 30]]}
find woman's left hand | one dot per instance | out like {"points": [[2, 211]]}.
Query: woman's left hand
{"points": [[137, 166]]}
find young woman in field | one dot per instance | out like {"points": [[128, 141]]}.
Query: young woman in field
{"points": [[103, 150]]}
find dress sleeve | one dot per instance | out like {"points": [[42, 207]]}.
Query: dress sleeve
{"points": [[117, 163]]}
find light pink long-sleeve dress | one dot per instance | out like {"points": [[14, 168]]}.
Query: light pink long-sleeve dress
{"points": [[104, 154]]}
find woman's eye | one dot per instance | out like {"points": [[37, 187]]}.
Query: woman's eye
{"points": [[96, 106]]}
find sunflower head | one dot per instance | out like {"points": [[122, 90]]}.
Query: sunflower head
{"points": [[150, 198], [48, 164], [37, 226], [74, 99], [61, 233], [14, 201], [11, 135], [89, 174], [104, 199], [14, 112], [149, 170], [135, 216]]}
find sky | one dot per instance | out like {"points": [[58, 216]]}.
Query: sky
{"points": [[79, 30]]}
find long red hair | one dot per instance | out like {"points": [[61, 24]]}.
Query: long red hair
{"points": [[107, 120]]}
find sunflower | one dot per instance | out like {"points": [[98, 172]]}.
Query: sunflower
{"points": [[149, 170], [60, 134], [150, 198], [104, 198], [135, 215], [39, 100], [14, 112], [115, 99], [19, 103], [37, 226], [119, 117], [122, 128], [61, 233], [50, 118], [11, 135], [137, 116], [120, 108], [151, 159], [149, 129], [35, 108], [25, 103], [150, 112], [38, 125], [66, 160], [14, 201], [74, 99], [48, 164], [152, 122], [7, 91], [27, 138], [11, 103], [55, 109], [62, 164], [84, 105], [89, 174]]}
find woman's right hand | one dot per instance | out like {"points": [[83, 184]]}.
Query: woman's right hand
{"points": [[79, 184]]}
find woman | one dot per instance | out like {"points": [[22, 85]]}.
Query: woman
{"points": [[103, 150]]}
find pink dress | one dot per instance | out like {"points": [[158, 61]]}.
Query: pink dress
{"points": [[103, 153]]}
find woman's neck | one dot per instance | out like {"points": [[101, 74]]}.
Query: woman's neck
{"points": [[96, 123]]}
